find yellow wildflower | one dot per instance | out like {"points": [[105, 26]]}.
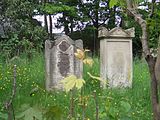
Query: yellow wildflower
{"points": [[88, 61], [80, 54], [86, 50]]}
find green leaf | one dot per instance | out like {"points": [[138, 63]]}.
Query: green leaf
{"points": [[139, 1], [112, 3], [30, 113], [79, 83], [72, 81], [96, 78], [122, 3], [69, 82], [3, 116], [68, 79], [24, 107], [107, 106], [113, 112], [125, 106], [54, 113], [55, 8], [125, 118]]}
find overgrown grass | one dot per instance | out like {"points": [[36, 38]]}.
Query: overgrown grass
{"points": [[31, 92]]}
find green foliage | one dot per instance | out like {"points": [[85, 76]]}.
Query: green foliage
{"points": [[128, 22], [119, 3], [138, 1], [24, 34], [57, 8], [53, 113], [125, 107], [115, 111], [21, 9], [152, 23], [30, 114], [97, 78], [131, 103], [28, 39], [122, 3], [154, 30], [3, 116], [112, 3], [92, 84]]}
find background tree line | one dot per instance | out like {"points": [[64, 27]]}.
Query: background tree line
{"points": [[20, 32]]}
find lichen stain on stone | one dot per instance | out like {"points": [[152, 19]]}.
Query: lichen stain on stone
{"points": [[64, 64]]}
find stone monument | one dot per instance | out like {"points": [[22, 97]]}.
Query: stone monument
{"points": [[116, 56], [60, 61]]}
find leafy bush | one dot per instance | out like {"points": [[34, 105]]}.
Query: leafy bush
{"points": [[24, 34]]}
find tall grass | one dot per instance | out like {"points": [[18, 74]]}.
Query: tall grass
{"points": [[139, 95], [31, 89]]}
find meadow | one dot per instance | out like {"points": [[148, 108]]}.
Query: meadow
{"points": [[32, 101]]}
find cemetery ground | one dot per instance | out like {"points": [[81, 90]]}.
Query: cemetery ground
{"points": [[33, 102]]}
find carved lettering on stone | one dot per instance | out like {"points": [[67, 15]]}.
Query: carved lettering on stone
{"points": [[60, 61], [64, 46], [116, 57], [64, 64]]}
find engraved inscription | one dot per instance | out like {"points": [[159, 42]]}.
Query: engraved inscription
{"points": [[64, 46], [118, 63], [116, 56], [60, 61], [64, 64]]}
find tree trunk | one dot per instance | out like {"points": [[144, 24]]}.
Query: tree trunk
{"points": [[154, 88], [45, 20], [111, 23], [50, 27], [96, 41], [71, 20], [152, 64], [157, 65], [66, 28], [96, 25]]}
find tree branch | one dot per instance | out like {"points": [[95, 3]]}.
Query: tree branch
{"points": [[96, 103], [8, 104], [152, 8], [131, 10], [138, 18], [157, 65]]}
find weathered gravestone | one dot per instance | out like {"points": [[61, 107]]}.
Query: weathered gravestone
{"points": [[60, 61], [116, 56]]}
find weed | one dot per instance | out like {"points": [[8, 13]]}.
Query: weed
{"points": [[117, 104]]}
